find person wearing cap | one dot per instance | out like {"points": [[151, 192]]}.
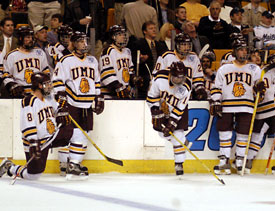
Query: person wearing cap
{"points": [[265, 32], [252, 13], [40, 35], [236, 25]]}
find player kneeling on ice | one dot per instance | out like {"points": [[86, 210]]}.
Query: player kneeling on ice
{"points": [[40, 115], [167, 98]]}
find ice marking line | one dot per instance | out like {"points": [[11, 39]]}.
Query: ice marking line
{"points": [[96, 197]]}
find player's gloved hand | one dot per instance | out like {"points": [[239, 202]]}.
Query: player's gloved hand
{"points": [[215, 108], [35, 149], [260, 87], [123, 92], [158, 118], [61, 98], [200, 93], [62, 116], [137, 81], [170, 126], [99, 104], [16, 90]]}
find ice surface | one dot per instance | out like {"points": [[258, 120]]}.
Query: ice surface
{"points": [[115, 191]]}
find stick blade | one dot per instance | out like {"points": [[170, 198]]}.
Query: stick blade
{"points": [[112, 160], [221, 180]]}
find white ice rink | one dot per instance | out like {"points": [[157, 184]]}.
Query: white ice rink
{"points": [[115, 191]]}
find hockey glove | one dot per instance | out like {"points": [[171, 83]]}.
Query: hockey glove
{"points": [[158, 118], [62, 116], [137, 81], [61, 98], [16, 90], [35, 149], [215, 108], [123, 92], [99, 104], [260, 87], [170, 126], [200, 93]]}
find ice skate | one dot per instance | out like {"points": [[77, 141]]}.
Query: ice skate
{"points": [[179, 170], [75, 172], [63, 168], [223, 167], [273, 170], [239, 164], [5, 166], [248, 166]]}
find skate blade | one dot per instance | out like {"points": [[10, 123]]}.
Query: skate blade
{"points": [[180, 177], [222, 172], [72, 177], [62, 174]]}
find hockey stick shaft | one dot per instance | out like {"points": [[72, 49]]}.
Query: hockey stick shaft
{"points": [[185, 147], [112, 160], [270, 156], [137, 70]]}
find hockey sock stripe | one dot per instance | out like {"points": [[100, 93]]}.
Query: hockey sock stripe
{"points": [[225, 143], [255, 147]]}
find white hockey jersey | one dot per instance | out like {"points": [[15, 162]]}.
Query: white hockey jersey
{"points": [[80, 79], [55, 51], [19, 66], [234, 87], [37, 120], [266, 107], [191, 61], [115, 65], [175, 97], [266, 33]]}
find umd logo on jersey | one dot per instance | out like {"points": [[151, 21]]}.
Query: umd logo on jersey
{"points": [[50, 126], [28, 74], [84, 86], [238, 89], [125, 75]]}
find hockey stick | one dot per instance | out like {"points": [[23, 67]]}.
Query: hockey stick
{"points": [[137, 72], [185, 147], [203, 50], [46, 144], [270, 156], [265, 69], [112, 160]]}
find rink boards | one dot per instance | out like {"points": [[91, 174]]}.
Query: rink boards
{"points": [[124, 131]]}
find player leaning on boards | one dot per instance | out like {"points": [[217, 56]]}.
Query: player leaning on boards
{"points": [[117, 69], [172, 88], [22, 62], [40, 115], [76, 81], [265, 116], [232, 100]]}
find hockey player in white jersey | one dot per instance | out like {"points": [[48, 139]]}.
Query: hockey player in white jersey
{"points": [[167, 98], [116, 66], [232, 100], [183, 53], [40, 115], [76, 82], [265, 116], [21, 63]]}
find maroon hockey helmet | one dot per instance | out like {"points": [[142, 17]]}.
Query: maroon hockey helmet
{"points": [[118, 30], [65, 33], [178, 69], [22, 32], [183, 44], [43, 79]]}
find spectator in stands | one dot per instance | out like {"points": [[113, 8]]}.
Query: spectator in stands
{"points": [[195, 11], [225, 11], [252, 13], [7, 41], [135, 14], [236, 25], [150, 50], [56, 21], [165, 14], [180, 13], [40, 35], [41, 11], [166, 34], [214, 28], [198, 41], [265, 32]]}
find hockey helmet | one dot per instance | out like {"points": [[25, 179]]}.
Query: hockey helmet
{"points": [[22, 32], [237, 45], [80, 42], [43, 79], [118, 36], [178, 73], [64, 34], [183, 44]]}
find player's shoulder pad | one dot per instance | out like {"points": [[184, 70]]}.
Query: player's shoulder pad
{"points": [[15, 50], [28, 101], [107, 51], [91, 59], [192, 57], [252, 66], [38, 51], [164, 74], [168, 53], [63, 58]]}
